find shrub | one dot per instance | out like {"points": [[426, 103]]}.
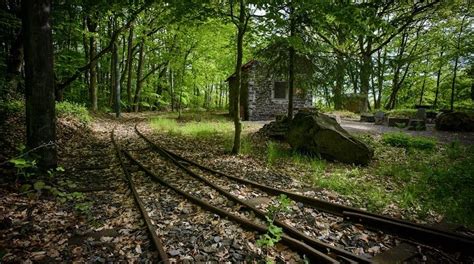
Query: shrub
{"points": [[13, 106], [405, 141], [408, 113], [74, 110]]}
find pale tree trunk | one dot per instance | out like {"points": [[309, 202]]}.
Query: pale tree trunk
{"points": [[40, 103], [92, 27], [138, 88], [438, 80], [422, 89], [365, 70], [129, 65], [117, 81], [340, 71], [339, 82], [456, 61], [381, 59], [291, 65]]}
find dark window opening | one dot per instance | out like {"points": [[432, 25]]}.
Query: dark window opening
{"points": [[280, 89]]}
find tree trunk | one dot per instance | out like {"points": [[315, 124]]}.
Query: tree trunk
{"points": [[138, 88], [339, 82], [40, 104], [241, 27], [455, 70], [92, 27], [291, 65], [438, 79], [365, 71], [380, 77], [14, 62], [129, 65], [422, 90], [117, 81], [396, 83], [171, 89]]}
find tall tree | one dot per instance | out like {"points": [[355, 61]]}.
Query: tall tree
{"points": [[456, 61], [92, 27], [40, 103], [240, 21]]}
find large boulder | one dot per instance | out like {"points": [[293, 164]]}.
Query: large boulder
{"points": [[318, 134], [455, 121]]}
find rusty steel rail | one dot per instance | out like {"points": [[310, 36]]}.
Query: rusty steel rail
{"points": [[296, 245], [319, 245], [409, 230], [151, 228]]}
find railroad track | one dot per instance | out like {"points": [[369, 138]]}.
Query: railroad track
{"points": [[214, 191]]}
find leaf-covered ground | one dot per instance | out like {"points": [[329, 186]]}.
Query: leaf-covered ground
{"points": [[87, 214]]}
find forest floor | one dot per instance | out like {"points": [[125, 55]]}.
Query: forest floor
{"points": [[87, 214]]}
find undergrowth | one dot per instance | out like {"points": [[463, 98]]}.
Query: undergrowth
{"points": [[63, 109], [415, 174], [399, 139], [74, 110], [203, 127]]}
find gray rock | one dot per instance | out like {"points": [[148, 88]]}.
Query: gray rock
{"points": [[318, 134], [367, 118], [398, 121], [174, 252], [379, 117], [417, 124], [455, 121], [421, 114]]}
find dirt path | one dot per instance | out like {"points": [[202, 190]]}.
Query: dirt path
{"points": [[442, 136], [357, 127]]}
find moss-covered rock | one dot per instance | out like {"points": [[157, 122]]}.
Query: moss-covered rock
{"points": [[318, 134], [455, 121]]}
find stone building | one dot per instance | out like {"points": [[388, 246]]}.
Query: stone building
{"points": [[264, 95]]}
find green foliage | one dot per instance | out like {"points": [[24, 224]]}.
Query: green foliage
{"points": [[402, 113], [202, 129], [274, 233], [400, 139], [24, 166], [73, 110], [424, 179], [12, 106]]}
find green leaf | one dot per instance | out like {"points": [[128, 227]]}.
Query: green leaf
{"points": [[25, 187], [39, 185]]}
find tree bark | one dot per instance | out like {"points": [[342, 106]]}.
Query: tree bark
{"points": [[92, 27], [129, 65], [138, 88], [339, 82], [365, 70], [456, 61], [106, 49], [241, 27], [438, 79], [40, 103], [291, 64], [116, 83], [14, 62], [422, 90]]}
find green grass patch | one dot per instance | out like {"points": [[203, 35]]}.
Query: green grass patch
{"points": [[203, 126], [403, 174], [12, 106], [74, 110], [400, 139], [200, 129]]}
